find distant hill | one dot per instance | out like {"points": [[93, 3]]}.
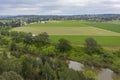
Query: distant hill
{"points": [[96, 17]]}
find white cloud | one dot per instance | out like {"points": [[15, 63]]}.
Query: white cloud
{"points": [[115, 0], [57, 7], [116, 5]]}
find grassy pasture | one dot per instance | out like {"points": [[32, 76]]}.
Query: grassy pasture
{"points": [[105, 33], [59, 24], [112, 26], [4, 20], [68, 31], [110, 41]]}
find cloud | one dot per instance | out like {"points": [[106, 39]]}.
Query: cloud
{"points": [[58, 7]]}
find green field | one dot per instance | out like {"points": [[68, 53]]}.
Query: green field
{"points": [[68, 31], [111, 41], [59, 24], [112, 26], [105, 33]]}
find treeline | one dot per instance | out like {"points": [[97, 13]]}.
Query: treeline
{"points": [[37, 18], [17, 21], [8, 23]]}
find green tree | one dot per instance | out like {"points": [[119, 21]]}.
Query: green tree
{"points": [[16, 23], [48, 72], [12, 64], [32, 49], [10, 76], [68, 74], [18, 36], [28, 39], [13, 46], [30, 68], [63, 45], [42, 39], [49, 50], [4, 41], [90, 75], [27, 67], [91, 46]]}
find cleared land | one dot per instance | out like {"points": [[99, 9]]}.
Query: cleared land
{"points": [[112, 26], [68, 31], [71, 23], [105, 33], [111, 41]]}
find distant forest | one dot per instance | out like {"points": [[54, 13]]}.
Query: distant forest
{"points": [[96, 17]]}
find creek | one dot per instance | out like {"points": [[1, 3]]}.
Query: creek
{"points": [[102, 73]]}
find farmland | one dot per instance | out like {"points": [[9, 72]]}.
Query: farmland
{"points": [[108, 26], [105, 33], [66, 23], [102, 40], [43, 48], [68, 31]]}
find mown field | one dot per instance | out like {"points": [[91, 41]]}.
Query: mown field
{"points": [[93, 31], [105, 33], [111, 41], [71, 23], [113, 26]]}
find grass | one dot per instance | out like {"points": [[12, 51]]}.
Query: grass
{"points": [[68, 31], [4, 20], [105, 33], [65, 23], [113, 26], [112, 41]]}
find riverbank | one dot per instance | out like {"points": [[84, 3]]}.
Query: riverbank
{"points": [[101, 73]]}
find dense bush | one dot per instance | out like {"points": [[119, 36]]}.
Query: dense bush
{"points": [[36, 58]]}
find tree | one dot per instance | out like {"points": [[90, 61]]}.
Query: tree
{"points": [[28, 39], [10, 76], [1, 23], [32, 49], [30, 68], [90, 75], [17, 36], [42, 39], [68, 74], [49, 50], [12, 65], [16, 23], [13, 46], [63, 45], [48, 72], [27, 67], [4, 41], [91, 46]]}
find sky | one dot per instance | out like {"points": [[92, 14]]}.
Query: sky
{"points": [[59, 7]]}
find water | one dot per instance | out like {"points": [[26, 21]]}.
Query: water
{"points": [[75, 65], [102, 74], [105, 74]]}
